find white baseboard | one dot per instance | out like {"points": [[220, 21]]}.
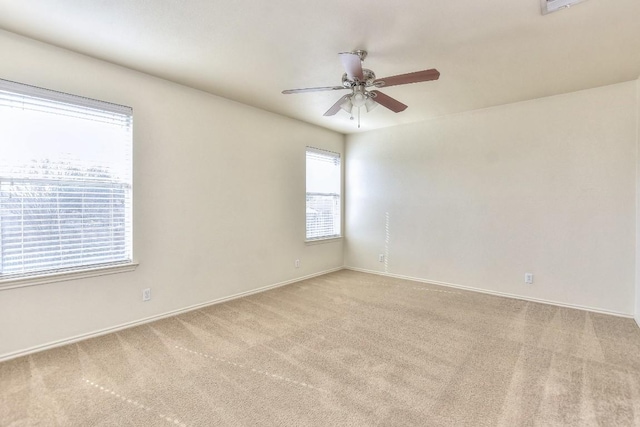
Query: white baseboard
{"points": [[71, 340], [497, 293]]}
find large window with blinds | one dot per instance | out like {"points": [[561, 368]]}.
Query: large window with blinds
{"points": [[65, 182], [323, 194]]}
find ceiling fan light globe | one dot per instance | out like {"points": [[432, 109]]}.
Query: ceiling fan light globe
{"points": [[370, 104], [358, 100], [347, 106]]}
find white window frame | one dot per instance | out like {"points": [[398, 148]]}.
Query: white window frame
{"points": [[337, 210], [13, 90]]}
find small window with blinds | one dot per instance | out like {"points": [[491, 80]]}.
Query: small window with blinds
{"points": [[323, 194], [65, 182]]}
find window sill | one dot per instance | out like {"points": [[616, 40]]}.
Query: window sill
{"points": [[62, 276], [320, 241]]}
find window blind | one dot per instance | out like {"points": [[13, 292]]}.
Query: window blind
{"points": [[65, 181], [323, 209]]}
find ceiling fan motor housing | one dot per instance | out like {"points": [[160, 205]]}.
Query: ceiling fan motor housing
{"points": [[367, 81]]}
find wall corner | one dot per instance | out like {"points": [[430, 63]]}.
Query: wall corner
{"points": [[637, 255]]}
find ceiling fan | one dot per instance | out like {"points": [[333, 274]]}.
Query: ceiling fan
{"points": [[358, 80]]}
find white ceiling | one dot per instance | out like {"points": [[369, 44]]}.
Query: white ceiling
{"points": [[488, 52]]}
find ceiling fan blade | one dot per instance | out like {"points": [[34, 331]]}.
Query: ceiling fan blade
{"points": [[403, 79], [387, 101], [313, 89], [336, 107], [352, 65]]}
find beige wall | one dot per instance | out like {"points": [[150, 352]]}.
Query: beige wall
{"points": [[477, 199], [480, 198], [637, 307], [219, 201]]}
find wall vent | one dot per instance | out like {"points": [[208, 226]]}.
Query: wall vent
{"points": [[549, 6]]}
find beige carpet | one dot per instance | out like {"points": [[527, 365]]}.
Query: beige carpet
{"points": [[342, 349]]}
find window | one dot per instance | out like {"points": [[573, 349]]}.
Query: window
{"points": [[65, 182], [323, 194]]}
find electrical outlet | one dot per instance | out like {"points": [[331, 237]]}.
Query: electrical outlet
{"points": [[146, 294], [528, 278], [297, 263], [381, 258]]}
